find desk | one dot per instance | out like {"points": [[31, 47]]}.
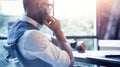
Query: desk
{"points": [[98, 58]]}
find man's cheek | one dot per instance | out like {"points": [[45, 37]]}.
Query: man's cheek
{"points": [[44, 12]]}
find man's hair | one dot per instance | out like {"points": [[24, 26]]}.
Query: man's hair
{"points": [[27, 3]]}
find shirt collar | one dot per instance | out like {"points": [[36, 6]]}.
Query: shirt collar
{"points": [[31, 21]]}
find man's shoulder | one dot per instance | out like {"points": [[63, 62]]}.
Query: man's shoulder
{"points": [[33, 33]]}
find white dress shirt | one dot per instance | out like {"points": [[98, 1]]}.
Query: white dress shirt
{"points": [[35, 44]]}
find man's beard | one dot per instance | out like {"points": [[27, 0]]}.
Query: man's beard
{"points": [[45, 16]]}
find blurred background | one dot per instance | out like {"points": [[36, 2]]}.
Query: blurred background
{"points": [[82, 20]]}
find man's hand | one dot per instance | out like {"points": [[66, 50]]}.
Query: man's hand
{"points": [[53, 24], [81, 47]]}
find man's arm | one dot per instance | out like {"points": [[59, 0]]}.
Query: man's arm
{"points": [[37, 45], [80, 46], [64, 45]]}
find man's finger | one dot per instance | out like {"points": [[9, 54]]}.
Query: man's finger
{"points": [[47, 24]]}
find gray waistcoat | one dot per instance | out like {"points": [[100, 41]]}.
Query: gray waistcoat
{"points": [[15, 32]]}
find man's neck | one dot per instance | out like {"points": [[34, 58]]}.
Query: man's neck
{"points": [[37, 19]]}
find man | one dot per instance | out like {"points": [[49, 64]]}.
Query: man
{"points": [[33, 44]]}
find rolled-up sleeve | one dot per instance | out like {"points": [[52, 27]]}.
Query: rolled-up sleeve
{"points": [[39, 46]]}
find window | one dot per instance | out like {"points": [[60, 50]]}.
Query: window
{"points": [[78, 18], [9, 12]]}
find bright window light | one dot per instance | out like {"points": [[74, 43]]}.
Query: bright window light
{"points": [[76, 8], [13, 7], [77, 15]]}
